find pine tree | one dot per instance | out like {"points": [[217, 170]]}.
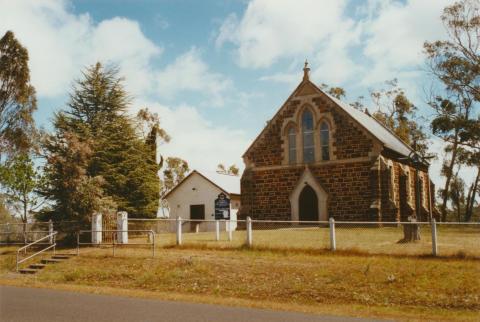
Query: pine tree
{"points": [[76, 195], [122, 162]]}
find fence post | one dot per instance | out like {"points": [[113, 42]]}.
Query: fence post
{"points": [[8, 233], [50, 230], [78, 243], [97, 228], [153, 243], [217, 230], [179, 230], [122, 225], [434, 237], [25, 235], [249, 232], [114, 237], [230, 237], [333, 244]]}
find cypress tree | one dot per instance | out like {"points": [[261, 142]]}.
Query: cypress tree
{"points": [[97, 113]]}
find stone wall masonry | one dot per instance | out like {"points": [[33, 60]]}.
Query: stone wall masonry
{"points": [[357, 189], [349, 140], [268, 149], [391, 205], [267, 192]]}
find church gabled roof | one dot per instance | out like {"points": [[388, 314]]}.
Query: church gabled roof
{"points": [[389, 139], [372, 125]]}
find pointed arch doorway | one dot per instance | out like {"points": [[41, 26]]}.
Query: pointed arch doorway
{"points": [[308, 200], [308, 204]]}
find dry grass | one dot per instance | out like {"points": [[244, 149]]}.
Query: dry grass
{"points": [[452, 241], [383, 286]]}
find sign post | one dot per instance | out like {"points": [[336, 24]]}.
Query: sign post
{"points": [[222, 207]]}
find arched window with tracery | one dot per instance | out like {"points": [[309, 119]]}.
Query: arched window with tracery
{"points": [[325, 141], [292, 145], [308, 141]]}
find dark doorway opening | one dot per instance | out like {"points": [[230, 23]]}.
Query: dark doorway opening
{"points": [[197, 212], [308, 204]]}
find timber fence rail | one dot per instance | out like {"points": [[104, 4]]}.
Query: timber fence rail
{"points": [[383, 238]]}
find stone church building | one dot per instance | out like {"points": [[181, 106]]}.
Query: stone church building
{"points": [[319, 157]]}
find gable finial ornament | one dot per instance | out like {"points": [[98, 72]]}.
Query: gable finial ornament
{"points": [[306, 71]]}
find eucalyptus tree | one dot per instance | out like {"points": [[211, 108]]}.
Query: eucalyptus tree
{"points": [[17, 97], [455, 63]]}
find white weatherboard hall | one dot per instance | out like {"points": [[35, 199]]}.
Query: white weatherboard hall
{"points": [[194, 197]]}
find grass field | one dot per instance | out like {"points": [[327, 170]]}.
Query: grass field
{"points": [[462, 241], [407, 288]]}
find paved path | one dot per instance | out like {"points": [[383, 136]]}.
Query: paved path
{"points": [[42, 305]]}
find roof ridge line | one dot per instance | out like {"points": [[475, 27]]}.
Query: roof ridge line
{"points": [[372, 117], [393, 133]]}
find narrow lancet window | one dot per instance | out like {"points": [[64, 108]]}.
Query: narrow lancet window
{"points": [[292, 146], [308, 143], [325, 141]]}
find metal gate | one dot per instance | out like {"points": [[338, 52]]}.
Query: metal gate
{"points": [[109, 222]]}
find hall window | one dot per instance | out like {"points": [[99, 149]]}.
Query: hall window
{"points": [[308, 143], [325, 141], [292, 146]]}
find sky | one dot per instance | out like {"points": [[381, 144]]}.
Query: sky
{"points": [[217, 71]]}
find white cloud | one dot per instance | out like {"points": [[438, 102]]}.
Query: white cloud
{"points": [[60, 43], [195, 139], [190, 73], [395, 33], [121, 41], [386, 37], [333, 63], [269, 31]]}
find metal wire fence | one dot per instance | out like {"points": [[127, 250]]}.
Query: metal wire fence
{"points": [[22, 233], [389, 238], [444, 239]]}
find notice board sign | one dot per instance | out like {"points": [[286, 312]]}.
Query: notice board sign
{"points": [[222, 207]]}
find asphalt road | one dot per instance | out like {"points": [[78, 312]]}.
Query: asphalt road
{"points": [[42, 305]]}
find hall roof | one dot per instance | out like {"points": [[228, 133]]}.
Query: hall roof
{"points": [[229, 184]]}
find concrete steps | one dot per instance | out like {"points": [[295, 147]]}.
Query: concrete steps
{"points": [[34, 268], [59, 256], [50, 261], [28, 271], [37, 266]]}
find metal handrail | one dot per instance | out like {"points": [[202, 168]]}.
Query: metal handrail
{"points": [[24, 248], [151, 232]]}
